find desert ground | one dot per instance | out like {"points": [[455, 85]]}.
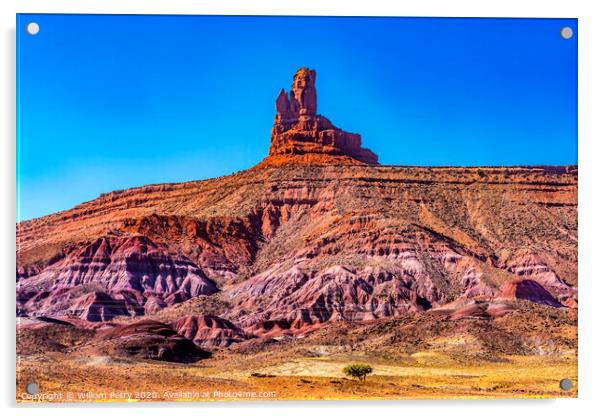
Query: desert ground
{"points": [[414, 357], [261, 377]]}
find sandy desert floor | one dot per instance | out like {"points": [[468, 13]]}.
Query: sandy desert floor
{"points": [[230, 376]]}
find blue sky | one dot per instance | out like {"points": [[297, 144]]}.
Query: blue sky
{"points": [[111, 102]]}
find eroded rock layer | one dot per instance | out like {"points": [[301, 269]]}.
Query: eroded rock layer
{"points": [[111, 276], [293, 248], [209, 331]]}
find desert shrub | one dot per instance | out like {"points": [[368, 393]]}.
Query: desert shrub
{"points": [[359, 371]]}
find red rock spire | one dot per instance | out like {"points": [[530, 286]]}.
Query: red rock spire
{"points": [[300, 135], [304, 99]]}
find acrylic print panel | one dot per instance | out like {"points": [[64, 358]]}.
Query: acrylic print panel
{"points": [[277, 208]]}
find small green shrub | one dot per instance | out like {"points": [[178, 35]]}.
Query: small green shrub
{"points": [[359, 371]]}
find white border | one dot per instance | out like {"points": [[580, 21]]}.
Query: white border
{"points": [[509, 8], [590, 232]]}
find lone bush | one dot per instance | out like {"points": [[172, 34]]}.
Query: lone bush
{"points": [[359, 371]]}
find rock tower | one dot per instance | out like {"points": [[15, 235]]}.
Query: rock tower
{"points": [[300, 135]]}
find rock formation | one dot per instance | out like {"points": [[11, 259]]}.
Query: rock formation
{"points": [[481, 310], [112, 276], [289, 249], [302, 136], [209, 331], [527, 290], [293, 250], [149, 340], [315, 252]]}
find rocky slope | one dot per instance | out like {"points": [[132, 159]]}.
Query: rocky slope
{"points": [[209, 331], [298, 243], [110, 276]]}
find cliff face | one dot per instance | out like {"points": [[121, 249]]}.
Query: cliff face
{"points": [[317, 233], [302, 136], [294, 247]]}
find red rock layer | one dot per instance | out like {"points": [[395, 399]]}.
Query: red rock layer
{"points": [[222, 246], [482, 310], [527, 290], [112, 276], [209, 331], [295, 248]]}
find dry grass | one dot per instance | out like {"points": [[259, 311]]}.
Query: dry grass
{"points": [[426, 375]]}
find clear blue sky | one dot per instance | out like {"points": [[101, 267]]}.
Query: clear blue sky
{"points": [[111, 102]]}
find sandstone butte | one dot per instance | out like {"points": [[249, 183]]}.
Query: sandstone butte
{"points": [[317, 233], [301, 136]]}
